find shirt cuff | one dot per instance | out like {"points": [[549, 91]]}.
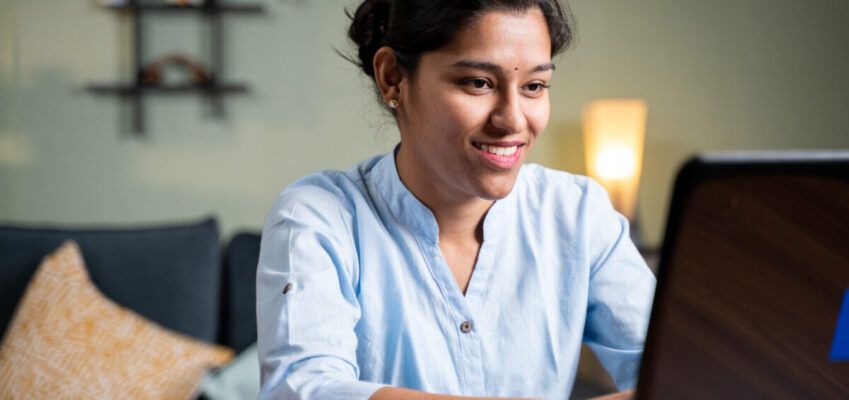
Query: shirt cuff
{"points": [[357, 390]]}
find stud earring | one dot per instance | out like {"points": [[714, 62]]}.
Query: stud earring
{"points": [[392, 103]]}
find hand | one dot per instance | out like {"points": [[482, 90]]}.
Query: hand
{"points": [[395, 393], [623, 395]]}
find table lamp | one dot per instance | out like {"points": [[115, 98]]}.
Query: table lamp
{"points": [[614, 133]]}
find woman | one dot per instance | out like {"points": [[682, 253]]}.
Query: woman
{"points": [[447, 266]]}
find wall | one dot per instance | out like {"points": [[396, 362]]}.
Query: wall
{"points": [[75, 160], [717, 75], [726, 74]]}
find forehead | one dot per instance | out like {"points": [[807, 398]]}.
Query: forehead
{"points": [[511, 39]]}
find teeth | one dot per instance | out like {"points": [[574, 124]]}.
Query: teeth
{"points": [[500, 151]]}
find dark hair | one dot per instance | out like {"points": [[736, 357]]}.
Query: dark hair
{"points": [[411, 27]]}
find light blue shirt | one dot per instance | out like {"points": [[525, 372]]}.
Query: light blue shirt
{"points": [[353, 292]]}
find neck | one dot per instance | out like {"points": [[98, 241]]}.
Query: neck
{"points": [[461, 224], [459, 217]]}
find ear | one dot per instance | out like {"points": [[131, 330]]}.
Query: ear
{"points": [[387, 74]]}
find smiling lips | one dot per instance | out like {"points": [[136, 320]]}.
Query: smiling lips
{"points": [[502, 155]]}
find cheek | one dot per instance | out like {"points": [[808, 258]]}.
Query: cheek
{"points": [[458, 115], [537, 116]]}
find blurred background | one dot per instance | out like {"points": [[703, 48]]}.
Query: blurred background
{"points": [[725, 74], [714, 75]]}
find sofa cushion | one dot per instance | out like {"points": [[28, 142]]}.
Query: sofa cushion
{"points": [[67, 340], [170, 274], [240, 263], [238, 380]]}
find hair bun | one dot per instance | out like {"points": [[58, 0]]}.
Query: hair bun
{"points": [[369, 24]]}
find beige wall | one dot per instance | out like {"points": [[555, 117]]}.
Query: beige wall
{"points": [[725, 74]]}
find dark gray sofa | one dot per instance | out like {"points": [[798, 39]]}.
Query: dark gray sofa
{"points": [[178, 275]]}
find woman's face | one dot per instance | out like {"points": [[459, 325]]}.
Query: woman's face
{"points": [[473, 109]]}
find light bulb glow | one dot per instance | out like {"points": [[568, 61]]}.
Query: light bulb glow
{"points": [[615, 163], [614, 133]]}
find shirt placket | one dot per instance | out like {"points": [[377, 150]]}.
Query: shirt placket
{"points": [[462, 317]]}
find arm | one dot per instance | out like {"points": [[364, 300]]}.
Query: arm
{"points": [[393, 393], [621, 290], [306, 340]]}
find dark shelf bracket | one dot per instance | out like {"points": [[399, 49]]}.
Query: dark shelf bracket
{"points": [[134, 91]]}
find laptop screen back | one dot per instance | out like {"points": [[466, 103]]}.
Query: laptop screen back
{"points": [[752, 277]]}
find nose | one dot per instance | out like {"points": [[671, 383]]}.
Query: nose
{"points": [[507, 116]]}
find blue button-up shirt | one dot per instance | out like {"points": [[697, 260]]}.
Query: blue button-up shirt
{"points": [[353, 292]]}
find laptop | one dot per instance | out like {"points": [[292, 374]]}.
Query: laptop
{"points": [[753, 281]]}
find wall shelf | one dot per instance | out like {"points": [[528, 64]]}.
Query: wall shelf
{"points": [[212, 88], [209, 6], [132, 89]]}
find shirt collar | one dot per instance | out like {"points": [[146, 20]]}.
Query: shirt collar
{"points": [[411, 212], [403, 205]]}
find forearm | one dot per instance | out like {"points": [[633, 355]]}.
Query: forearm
{"points": [[395, 393]]}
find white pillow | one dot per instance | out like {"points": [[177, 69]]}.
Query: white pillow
{"points": [[238, 380]]}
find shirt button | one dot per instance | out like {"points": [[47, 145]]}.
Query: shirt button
{"points": [[466, 327], [288, 288]]}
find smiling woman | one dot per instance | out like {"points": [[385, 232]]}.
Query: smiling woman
{"points": [[473, 109], [448, 266]]}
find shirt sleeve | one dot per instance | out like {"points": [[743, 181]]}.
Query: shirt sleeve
{"points": [[621, 291], [307, 307]]}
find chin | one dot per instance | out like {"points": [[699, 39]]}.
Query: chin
{"points": [[497, 188]]}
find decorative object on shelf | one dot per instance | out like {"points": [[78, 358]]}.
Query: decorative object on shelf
{"points": [[614, 134], [185, 3], [152, 74], [113, 3], [148, 78]]}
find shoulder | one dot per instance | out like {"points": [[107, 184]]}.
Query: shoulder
{"points": [[329, 196], [565, 202], [538, 183], [322, 192]]}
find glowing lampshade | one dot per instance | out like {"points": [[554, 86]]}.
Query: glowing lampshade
{"points": [[614, 132]]}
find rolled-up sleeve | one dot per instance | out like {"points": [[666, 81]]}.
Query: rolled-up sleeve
{"points": [[307, 307], [621, 291]]}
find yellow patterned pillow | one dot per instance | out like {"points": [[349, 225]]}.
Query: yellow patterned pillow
{"points": [[67, 340]]}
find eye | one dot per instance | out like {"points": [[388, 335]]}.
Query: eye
{"points": [[480, 83], [536, 87], [477, 84]]}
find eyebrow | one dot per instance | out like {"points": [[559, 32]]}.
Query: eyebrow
{"points": [[488, 66]]}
